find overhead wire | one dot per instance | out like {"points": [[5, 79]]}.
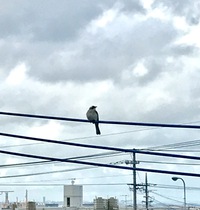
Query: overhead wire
{"points": [[101, 164], [124, 150], [169, 163], [101, 121], [106, 122], [56, 180], [163, 204], [86, 157], [100, 147], [44, 173], [173, 187], [166, 197], [81, 138], [177, 145], [58, 184]]}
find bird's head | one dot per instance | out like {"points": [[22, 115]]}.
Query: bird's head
{"points": [[93, 107]]}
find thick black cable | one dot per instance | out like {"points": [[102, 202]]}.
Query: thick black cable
{"points": [[102, 147], [100, 164], [102, 121]]}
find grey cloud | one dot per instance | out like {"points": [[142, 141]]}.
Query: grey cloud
{"points": [[52, 21], [183, 49], [47, 20], [131, 6], [188, 9], [159, 64], [35, 32], [107, 57]]}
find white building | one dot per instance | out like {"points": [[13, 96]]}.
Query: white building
{"points": [[73, 195]]}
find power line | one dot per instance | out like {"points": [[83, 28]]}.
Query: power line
{"points": [[170, 163], [177, 145], [100, 147], [43, 173], [173, 187], [25, 164], [100, 164], [82, 138], [63, 142], [178, 150], [60, 184], [166, 197], [101, 155], [58, 180], [102, 121]]}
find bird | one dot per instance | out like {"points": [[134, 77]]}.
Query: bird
{"points": [[93, 116]]}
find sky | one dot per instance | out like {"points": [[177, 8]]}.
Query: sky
{"points": [[136, 60]]}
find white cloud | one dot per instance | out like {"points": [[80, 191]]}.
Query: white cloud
{"points": [[140, 70], [106, 18], [192, 37], [17, 75], [50, 130]]}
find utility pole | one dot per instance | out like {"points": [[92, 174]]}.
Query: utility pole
{"points": [[146, 193], [134, 183], [133, 163], [148, 199]]}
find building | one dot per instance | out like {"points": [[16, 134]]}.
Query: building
{"points": [[106, 204], [100, 203], [73, 195], [113, 204]]}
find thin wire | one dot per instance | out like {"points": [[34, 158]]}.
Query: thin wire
{"points": [[177, 145], [25, 164], [102, 121], [52, 184], [173, 187], [178, 150], [166, 197], [100, 155], [163, 204], [170, 163], [43, 173]]}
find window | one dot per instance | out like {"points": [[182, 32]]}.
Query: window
{"points": [[68, 202]]}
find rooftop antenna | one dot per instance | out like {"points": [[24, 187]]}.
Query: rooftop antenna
{"points": [[73, 181]]}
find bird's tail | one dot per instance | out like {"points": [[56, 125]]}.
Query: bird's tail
{"points": [[97, 129]]}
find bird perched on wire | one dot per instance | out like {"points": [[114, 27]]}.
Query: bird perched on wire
{"points": [[93, 116]]}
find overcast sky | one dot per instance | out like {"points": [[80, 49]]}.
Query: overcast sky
{"points": [[135, 60]]}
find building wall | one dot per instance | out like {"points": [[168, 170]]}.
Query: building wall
{"points": [[106, 204], [100, 203], [113, 204], [73, 195]]}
